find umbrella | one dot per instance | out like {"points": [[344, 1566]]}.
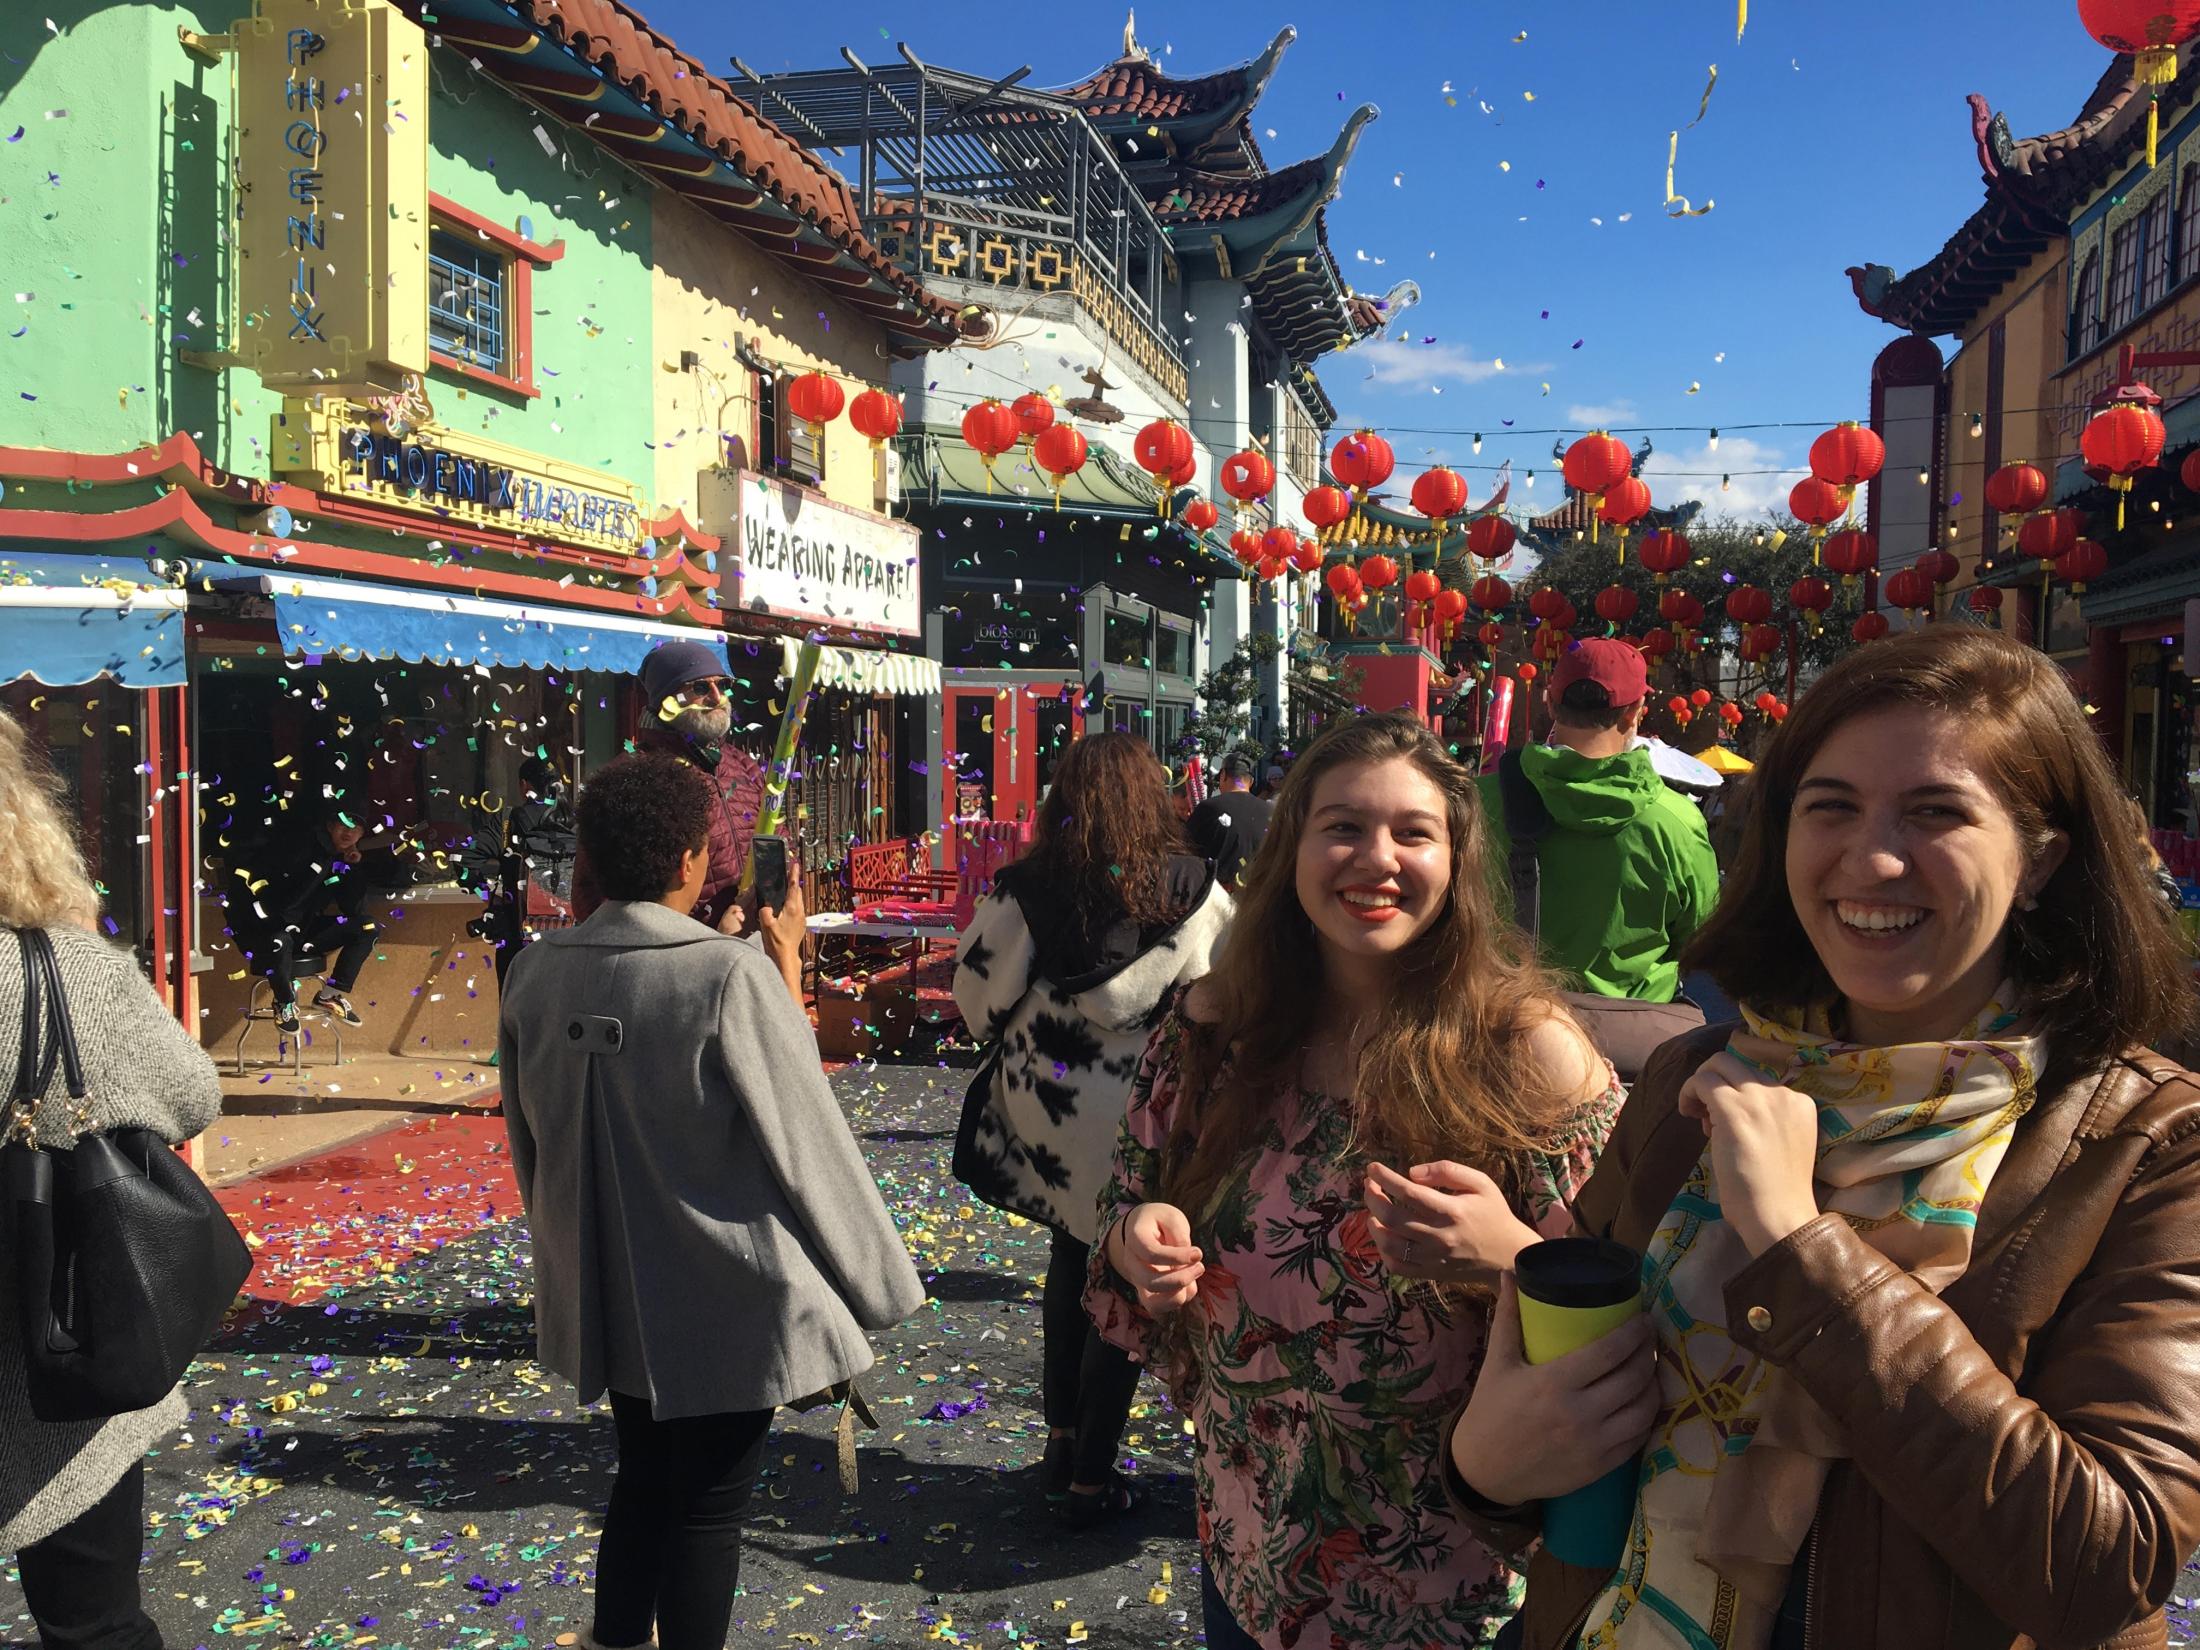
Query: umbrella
{"points": [[1725, 761], [1677, 767]]}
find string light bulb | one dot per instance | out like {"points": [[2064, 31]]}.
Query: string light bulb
{"points": [[1924, 476], [1726, 484], [1714, 440], [1978, 426], [1478, 441], [1531, 478]]}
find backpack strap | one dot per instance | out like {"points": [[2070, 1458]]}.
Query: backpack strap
{"points": [[1526, 821]]}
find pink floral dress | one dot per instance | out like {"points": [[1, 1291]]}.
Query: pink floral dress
{"points": [[1318, 1386]]}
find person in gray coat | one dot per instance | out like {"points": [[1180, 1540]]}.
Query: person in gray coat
{"points": [[72, 1494], [708, 1243]]}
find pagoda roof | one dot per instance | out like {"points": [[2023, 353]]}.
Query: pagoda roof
{"points": [[2033, 187], [1577, 515], [627, 88], [1134, 95]]}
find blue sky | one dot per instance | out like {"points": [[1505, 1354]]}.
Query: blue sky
{"points": [[1527, 199]]}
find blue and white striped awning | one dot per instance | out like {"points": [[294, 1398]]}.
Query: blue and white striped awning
{"points": [[68, 619]]}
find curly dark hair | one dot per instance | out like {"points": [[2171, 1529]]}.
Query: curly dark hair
{"points": [[638, 815], [1106, 832]]}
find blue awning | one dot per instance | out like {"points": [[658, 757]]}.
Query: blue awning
{"points": [[355, 620], [69, 619]]}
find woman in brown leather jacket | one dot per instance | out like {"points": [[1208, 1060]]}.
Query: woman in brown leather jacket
{"points": [[1921, 1234]]}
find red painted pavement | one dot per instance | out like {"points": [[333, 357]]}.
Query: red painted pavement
{"points": [[328, 1224]]}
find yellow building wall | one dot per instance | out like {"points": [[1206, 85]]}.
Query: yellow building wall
{"points": [[712, 289], [2032, 309]]}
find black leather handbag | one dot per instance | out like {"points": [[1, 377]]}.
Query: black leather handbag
{"points": [[122, 1260]]}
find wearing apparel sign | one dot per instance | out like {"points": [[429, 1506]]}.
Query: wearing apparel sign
{"points": [[797, 555]]}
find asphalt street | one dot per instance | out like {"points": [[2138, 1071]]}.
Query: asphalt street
{"points": [[374, 1459]]}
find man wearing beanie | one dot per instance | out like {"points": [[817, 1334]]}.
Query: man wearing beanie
{"points": [[1626, 872], [687, 713]]}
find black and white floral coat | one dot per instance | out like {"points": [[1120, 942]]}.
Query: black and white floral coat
{"points": [[1039, 1125]]}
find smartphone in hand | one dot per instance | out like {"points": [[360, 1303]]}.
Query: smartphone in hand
{"points": [[770, 858]]}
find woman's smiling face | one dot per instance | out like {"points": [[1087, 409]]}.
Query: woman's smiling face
{"points": [[1904, 865], [1375, 860]]}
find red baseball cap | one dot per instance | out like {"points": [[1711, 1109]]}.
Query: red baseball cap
{"points": [[1614, 666]]}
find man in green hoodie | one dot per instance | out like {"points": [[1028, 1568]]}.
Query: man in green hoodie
{"points": [[1627, 868]]}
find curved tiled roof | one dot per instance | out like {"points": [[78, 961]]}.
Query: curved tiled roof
{"points": [[1209, 197], [619, 43]]}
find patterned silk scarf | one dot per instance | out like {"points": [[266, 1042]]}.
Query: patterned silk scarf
{"points": [[1909, 1139]]}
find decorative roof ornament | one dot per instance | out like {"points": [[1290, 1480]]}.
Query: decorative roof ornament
{"points": [[1133, 52], [1096, 408]]}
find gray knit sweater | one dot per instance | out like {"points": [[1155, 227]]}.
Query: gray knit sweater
{"points": [[143, 1069]]}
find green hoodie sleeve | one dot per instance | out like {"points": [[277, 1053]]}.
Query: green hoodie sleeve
{"points": [[1698, 889]]}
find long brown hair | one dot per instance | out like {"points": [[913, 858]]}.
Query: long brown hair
{"points": [[1447, 1071], [1106, 832], [2097, 967]]}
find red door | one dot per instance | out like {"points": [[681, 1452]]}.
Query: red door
{"points": [[1002, 744]]}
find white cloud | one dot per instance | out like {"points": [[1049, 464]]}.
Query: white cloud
{"points": [[1602, 417], [1395, 362], [1695, 472]]}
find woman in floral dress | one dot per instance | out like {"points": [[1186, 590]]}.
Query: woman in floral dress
{"points": [[1369, 1091]]}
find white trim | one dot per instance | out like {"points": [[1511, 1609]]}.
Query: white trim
{"points": [[302, 587], [866, 670], [91, 595]]}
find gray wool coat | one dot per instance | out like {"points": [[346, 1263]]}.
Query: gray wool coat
{"points": [[706, 1234], [144, 1071]]}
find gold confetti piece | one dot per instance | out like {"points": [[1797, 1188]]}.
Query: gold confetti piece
{"points": [[1529, 96], [1676, 205], [1741, 20], [1704, 107]]}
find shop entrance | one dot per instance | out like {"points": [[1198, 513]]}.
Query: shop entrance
{"points": [[1002, 744]]}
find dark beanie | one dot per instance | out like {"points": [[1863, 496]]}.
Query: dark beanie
{"points": [[670, 666]]}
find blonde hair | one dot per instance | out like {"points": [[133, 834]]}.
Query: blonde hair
{"points": [[43, 882]]}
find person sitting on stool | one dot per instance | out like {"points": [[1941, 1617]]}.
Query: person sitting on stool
{"points": [[291, 912]]}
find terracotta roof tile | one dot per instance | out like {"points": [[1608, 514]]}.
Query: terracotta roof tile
{"points": [[619, 42], [1207, 197], [1138, 90]]}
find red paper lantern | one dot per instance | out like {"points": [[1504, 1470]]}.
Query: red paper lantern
{"points": [[1908, 589], [1766, 700], [1939, 566], [2123, 440], [1869, 627], [1847, 456], [1278, 542], [1595, 464], [1491, 537], [1450, 607], [2151, 31], [1201, 514], [1439, 494], [1491, 636], [1548, 602], [1625, 502], [1616, 604], [1245, 544], [1181, 476], [1659, 643], [1852, 554], [1034, 414], [816, 398], [1248, 475], [1760, 641], [1665, 553], [1271, 570], [1059, 450], [2049, 536], [1985, 598], [1746, 605], [1421, 588], [876, 414], [1345, 588], [991, 430], [1810, 594], [1163, 450], [1676, 704], [1378, 572], [1325, 507], [2084, 562], [1527, 673], [1362, 461], [1700, 698], [2016, 489], [2189, 471], [1492, 594], [1817, 503], [1307, 558], [1679, 609]]}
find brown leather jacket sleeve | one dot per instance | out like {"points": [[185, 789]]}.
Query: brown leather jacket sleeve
{"points": [[2072, 1504]]}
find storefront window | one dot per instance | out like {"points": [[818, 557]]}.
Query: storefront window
{"points": [[92, 736], [1175, 657], [1124, 640], [466, 301]]}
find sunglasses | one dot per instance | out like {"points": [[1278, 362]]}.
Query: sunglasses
{"points": [[708, 690]]}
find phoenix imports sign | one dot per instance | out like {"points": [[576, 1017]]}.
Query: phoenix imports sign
{"points": [[798, 555]]}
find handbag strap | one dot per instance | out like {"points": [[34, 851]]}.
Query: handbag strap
{"points": [[45, 1004]]}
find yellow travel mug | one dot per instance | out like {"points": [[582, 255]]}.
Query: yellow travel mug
{"points": [[1574, 1291]]}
